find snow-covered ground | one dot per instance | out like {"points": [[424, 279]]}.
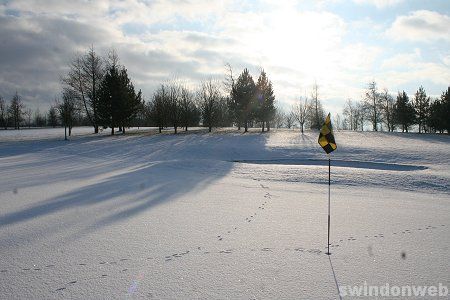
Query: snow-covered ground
{"points": [[222, 215]]}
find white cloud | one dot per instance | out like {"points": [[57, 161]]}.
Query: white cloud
{"points": [[421, 26], [379, 3]]}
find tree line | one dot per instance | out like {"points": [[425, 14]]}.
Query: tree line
{"points": [[377, 110], [383, 111], [97, 91]]}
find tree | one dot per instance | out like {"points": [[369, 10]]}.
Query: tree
{"points": [[265, 99], [289, 119], [118, 103], [350, 115], [387, 105], [422, 106], [67, 109], [174, 108], [439, 113], [52, 117], [28, 113], [158, 107], [190, 114], [373, 105], [316, 115], [16, 108], [3, 114], [279, 118], [300, 111], [403, 111], [210, 98], [84, 78], [232, 101], [245, 95], [39, 119]]}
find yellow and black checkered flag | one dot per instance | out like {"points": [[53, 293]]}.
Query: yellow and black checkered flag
{"points": [[326, 137]]}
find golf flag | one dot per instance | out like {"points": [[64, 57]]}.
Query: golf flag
{"points": [[326, 137]]}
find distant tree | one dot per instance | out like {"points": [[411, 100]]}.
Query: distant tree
{"points": [[158, 107], [404, 113], [265, 99], [439, 113], [300, 110], [232, 101], [67, 110], [39, 119], [28, 113], [52, 117], [245, 98], [279, 118], [190, 114], [289, 119], [360, 114], [350, 115], [209, 98], [372, 103], [3, 114], [316, 114], [118, 103], [15, 112], [174, 109], [421, 105], [387, 105]]}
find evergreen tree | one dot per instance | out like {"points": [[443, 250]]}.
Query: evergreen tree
{"points": [[403, 111], [421, 106], [439, 113], [265, 99], [244, 97], [118, 102]]}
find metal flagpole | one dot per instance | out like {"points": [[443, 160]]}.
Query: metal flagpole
{"points": [[329, 186]]}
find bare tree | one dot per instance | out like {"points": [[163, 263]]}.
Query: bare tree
{"points": [[300, 110], [84, 78], [387, 104], [16, 110], [230, 89], [315, 111], [209, 98], [28, 113], [279, 118], [174, 108], [373, 105], [3, 113], [67, 110], [189, 111], [289, 119]]}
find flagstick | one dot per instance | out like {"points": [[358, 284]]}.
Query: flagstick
{"points": [[329, 186]]}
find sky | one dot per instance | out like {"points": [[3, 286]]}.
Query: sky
{"points": [[340, 45]]}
